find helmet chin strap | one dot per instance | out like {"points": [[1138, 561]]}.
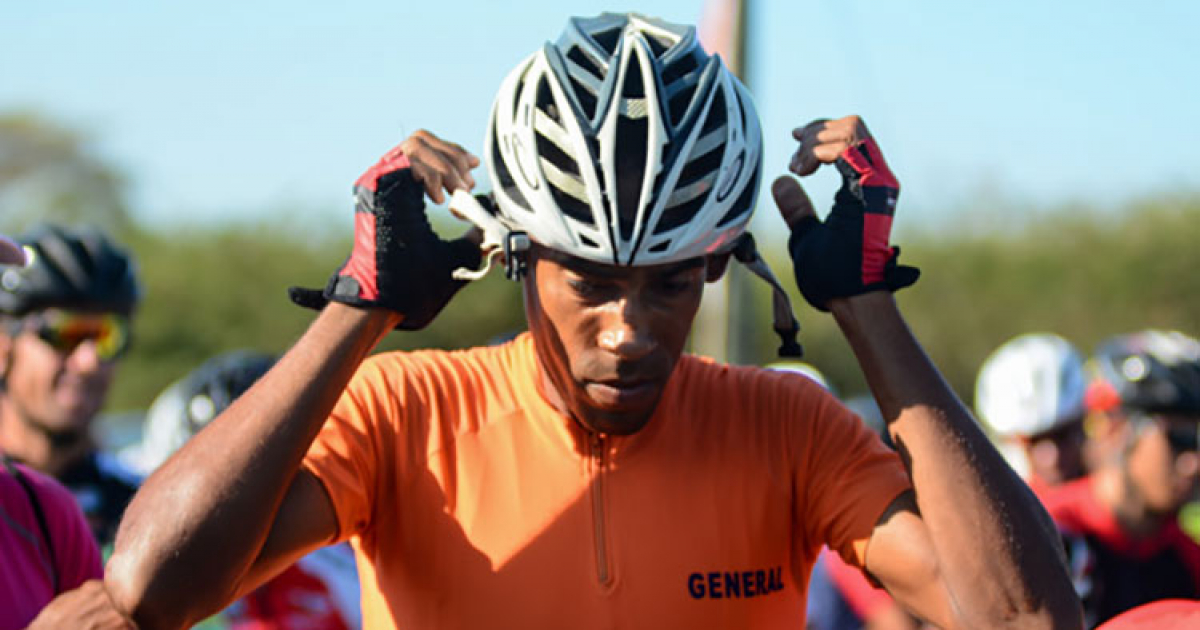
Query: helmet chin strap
{"points": [[786, 326]]}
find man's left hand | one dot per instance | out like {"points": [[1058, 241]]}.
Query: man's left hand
{"points": [[847, 254]]}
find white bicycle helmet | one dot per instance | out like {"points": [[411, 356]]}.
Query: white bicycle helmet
{"points": [[624, 143], [1030, 385]]}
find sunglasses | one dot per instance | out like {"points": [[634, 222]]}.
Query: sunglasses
{"points": [[65, 331], [1182, 436]]}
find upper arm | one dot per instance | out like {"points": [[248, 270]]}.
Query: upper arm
{"points": [[900, 555], [304, 522]]}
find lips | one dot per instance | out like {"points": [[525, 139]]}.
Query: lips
{"points": [[623, 394]]}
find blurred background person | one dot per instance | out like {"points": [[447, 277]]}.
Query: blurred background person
{"points": [[46, 547], [1030, 394], [321, 589], [66, 323], [1120, 522]]}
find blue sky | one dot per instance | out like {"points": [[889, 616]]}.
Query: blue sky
{"points": [[220, 110]]}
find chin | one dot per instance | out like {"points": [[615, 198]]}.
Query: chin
{"points": [[613, 423]]}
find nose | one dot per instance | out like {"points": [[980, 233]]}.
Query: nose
{"points": [[85, 358], [625, 330]]}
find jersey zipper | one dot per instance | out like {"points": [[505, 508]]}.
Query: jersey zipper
{"points": [[599, 531]]}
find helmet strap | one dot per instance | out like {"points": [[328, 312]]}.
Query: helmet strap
{"points": [[786, 326]]}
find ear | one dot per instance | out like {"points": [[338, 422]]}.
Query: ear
{"points": [[715, 266]]}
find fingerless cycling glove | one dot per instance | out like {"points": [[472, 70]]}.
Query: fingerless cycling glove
{"points": [[848, 253], [398, 261]]}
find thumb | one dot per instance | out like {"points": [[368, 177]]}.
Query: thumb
{"points": [[793, 202]]}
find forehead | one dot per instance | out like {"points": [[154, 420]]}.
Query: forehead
{"points": [[582, 266]]}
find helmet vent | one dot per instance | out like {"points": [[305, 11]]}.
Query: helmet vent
{"points": [[608, 40], [699, 173], [586, 75], [505, 178], [586, 62], [679, 82], [680, 67], [745, 201], [632, 144], [658, 45]]}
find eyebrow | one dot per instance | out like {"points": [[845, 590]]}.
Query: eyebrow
{"points": [[593, 268]]}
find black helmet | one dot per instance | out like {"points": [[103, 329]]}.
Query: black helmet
{"points": [[77, 268], [189, 404], [1152, 371]]}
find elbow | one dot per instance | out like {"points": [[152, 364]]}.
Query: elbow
{"points": [[127, 587], [154, 589], [130, 588]]}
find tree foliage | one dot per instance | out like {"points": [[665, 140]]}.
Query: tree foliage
{"points": [[50, 172]]}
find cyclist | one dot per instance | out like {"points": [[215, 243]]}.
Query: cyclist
{"points": [[1030, 394], [321, 589], [588, 474], [1121, 521], [46, 545], [66, 319]]}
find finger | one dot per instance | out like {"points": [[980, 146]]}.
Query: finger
{"points": [[800, 132], [828, 153], [452, 179], [804, 162], [835, 134], [430, 178], [454, 153], [794, 204]]}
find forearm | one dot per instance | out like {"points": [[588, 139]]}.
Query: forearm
{"points": [[200, 520], [995, 546]]}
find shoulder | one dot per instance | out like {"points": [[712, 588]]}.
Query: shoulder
{"points": [[54, 498], [752, 390], [436, 369]]}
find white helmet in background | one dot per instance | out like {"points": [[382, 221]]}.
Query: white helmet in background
{"points": [[804, 369], [1032, 384], [625, 143]]}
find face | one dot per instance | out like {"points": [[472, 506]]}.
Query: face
{"points": [[1163, 462], [1056, 457], [608, 337], [58, 367]]}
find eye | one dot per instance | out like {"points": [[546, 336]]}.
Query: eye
{"points": [[588, 288], [675, 284]]}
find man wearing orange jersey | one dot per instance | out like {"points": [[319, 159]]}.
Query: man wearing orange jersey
{"points": [[589, 473]]}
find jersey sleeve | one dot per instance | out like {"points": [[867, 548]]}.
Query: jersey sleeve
{"points": [[848, 477], [76, 553], [345, 455]]}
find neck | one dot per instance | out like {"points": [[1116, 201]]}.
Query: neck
{"points": [[1118, 494], [50, 452]]}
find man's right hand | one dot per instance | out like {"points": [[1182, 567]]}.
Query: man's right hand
{"points": [[398, 262]]}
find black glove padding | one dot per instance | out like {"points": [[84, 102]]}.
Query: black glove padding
{"points": [[848, 254], [398, 261]]}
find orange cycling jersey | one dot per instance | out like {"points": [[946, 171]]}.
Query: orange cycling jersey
{"points": [[471, 502]]}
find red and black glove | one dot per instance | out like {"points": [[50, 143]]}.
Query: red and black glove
{"points": [[848, 253], [398, 261]]}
